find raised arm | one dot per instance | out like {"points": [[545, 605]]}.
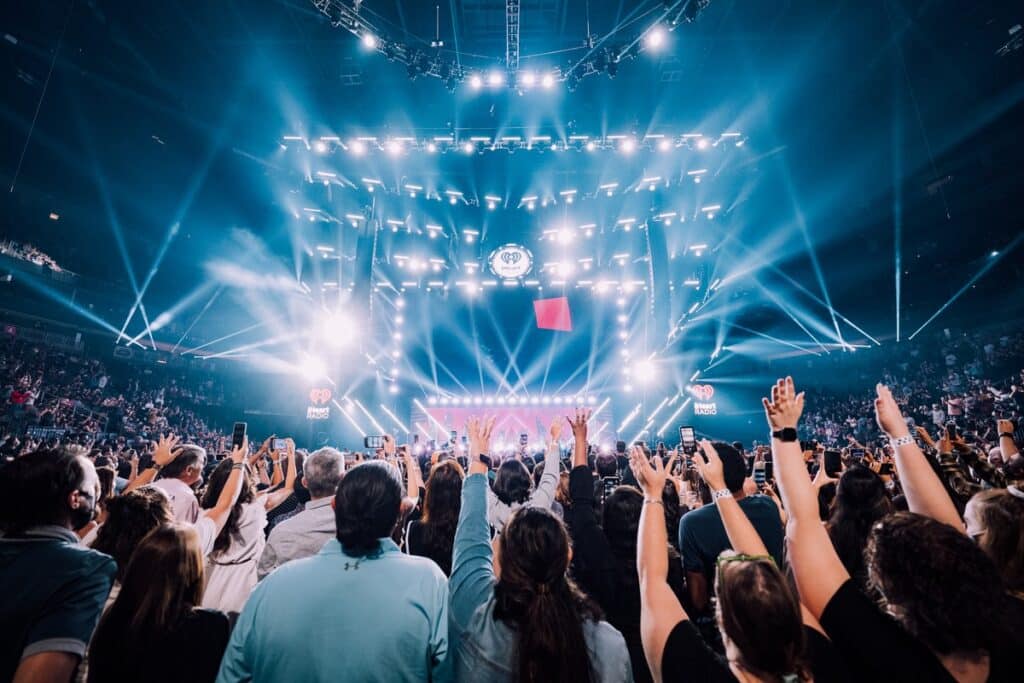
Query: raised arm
{"points": [[219, 513], [1006, 442], [472, 577], [544, 495], [743, 537], [660, 610], [165, 452], [413, 475], [819, 572], [922, 487], [279, 496], [579, 424]]}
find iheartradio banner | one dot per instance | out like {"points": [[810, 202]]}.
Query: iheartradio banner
{"points": [[703, 395], [319, 404], [512, 421]]}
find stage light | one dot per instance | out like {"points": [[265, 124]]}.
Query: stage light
{"points": [[477, 400], [399, 320], [655, 37], [664, 145], [431, 147], [369, 41], [468, 148], [432, 400], [644, 371], [558, 400], [534, 400], [624, 353], [565, 236], [627, 388], [393, 389], [546, 400], [444, 400], [623, 319], [530, 206], [702, 143], [312, 368], [397, 336], [994, 254], [320, 147], [395, 148], [652, 187], [628, 145], [400, 302], [492, 205], [495, 79], [396, 353], [357, 147], [529, 78], [501, 400], [621, 302], [333, 330], [591, 146], [476, 82], [623, 335], [565, 269], [453, 200], [548, 81]]}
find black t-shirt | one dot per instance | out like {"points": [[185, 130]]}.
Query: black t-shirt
{"points": [[873, 646], [688, 658], [191, 652]]}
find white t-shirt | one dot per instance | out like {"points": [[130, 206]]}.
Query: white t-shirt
{"points": [[232, 574]]}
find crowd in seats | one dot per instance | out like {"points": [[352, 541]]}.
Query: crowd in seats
{"points": [[889, 547], [26, 252]]}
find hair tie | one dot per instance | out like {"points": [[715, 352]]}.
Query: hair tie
{"points": [[1015, 492], [790, 678]]}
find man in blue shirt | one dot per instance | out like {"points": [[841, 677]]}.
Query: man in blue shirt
{"points": [[359, 610], [57, 587]]}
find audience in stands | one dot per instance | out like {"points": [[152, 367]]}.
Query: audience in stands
{"points": [[907, 564]]}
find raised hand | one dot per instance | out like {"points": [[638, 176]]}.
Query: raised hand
{"points": [[710, 466], [785, 407], [887, 413], [556, 429], [925, 437], [479, 436], [578, 423], [650, 477], [165, 451], [1004, 426], [239, 453]]}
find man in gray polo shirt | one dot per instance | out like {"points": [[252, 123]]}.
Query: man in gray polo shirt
{"points": [[58, 587], [305, 534]]}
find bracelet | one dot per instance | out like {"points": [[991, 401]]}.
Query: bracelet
{"points": [[723, 493], [1008, 435], [654, 501], [156, 466], [238, 466], [901, 441]]}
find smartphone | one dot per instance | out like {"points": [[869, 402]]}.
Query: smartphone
{"points": [[453, 436], [373, 442], [524, 439], [808, 445], [769, 470], [280, 444], [238, 434], [688, 440], [833, 463], [857, 454], [951, 430], [759, 473]]}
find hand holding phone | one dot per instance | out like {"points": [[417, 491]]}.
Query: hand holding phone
{"points": [[688, 440], [238, 434]]}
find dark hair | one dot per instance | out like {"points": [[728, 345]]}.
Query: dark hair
{"points": [[512, 483], [673, 512], [606, 465], [34, 489], [366, 507], [948, 591], [190, 456], [860, 501], [107, 477], [760, 614], [218, 478], [1001, 514], [129, 518], [442, 503], [621, 522], [162, 584], [734, 466], [535, 596]]}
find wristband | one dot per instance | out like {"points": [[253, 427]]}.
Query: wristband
{"points": [[654, 501], [238, 466], [1008, 435], [901, 441], [723, 493], [156, 466]]}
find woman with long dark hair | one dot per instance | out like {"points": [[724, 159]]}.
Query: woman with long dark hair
{"points": [[234, 561], [433, 534], [861, 500], [157, 611], [521, 618]]}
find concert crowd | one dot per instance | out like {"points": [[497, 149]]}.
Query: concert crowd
{"points": [[872, 536]]}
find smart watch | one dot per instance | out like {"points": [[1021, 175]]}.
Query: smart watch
{"points": [[785, 434]]}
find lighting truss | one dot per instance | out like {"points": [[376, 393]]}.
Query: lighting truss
{"points": [[345, 15]]}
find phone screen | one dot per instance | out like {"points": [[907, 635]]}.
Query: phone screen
{"points": [[280, 444], [238, 434], [524, 439], [688, 440], [453, 436], [833, 463], [373, 442]]}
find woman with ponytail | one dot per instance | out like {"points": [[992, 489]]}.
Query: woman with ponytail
{"points": [[861, 500], [521, 618]]}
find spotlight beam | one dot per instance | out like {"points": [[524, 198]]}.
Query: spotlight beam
{"points": [[201, 312], [992, 261], [427, 413], [674, 416], [597, 410], [168, 238], [350, 419], [377, 425], [629, 418], [395, 418], [227, 336]]}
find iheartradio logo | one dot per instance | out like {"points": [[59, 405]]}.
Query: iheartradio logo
{"points": [[704, 392], [320, 395]]}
